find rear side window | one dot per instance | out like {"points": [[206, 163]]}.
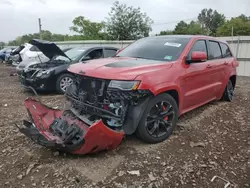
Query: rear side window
{"points": [[225, 50], [214, 49], [34, 49], [110, 52], [199, 46]]}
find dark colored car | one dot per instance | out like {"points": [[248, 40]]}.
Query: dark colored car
{"points": [[143, 90], [53, 75]]}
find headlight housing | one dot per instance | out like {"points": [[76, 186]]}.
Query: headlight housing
{"points": [[124, 85], [44, 72]]}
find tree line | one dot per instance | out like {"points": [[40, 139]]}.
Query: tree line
{"points": [[129, 23], [210, 22]]}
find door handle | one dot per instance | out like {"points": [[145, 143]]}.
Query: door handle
{"points": [[225, 63], [209, 66]]}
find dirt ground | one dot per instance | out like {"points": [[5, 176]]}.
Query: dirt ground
{"points": [[212, 140]]}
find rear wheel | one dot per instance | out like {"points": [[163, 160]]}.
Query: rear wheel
{"points": [[63, 82], [229, 92], [159, 119]]}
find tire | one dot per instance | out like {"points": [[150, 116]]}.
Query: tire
{"points": [[1, 60], [148, 124], [228, 92], [59, 81]]}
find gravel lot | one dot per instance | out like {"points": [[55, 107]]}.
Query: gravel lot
{"points": [[212, 140]]}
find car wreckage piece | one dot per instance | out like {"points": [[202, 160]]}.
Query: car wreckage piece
{"points": [[98, 117], [63, 131]]}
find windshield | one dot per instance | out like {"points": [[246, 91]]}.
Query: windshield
{"points": [[156, 48], [73, 54]]}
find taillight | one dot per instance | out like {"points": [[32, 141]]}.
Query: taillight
{"points": [[235, 63]]}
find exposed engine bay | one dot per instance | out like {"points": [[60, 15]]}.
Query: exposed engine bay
{"points": [[92, 100]]}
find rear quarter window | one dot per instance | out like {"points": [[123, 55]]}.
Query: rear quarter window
{"points": [[110, 52], [225, 50], [34, 49], [214, 50]]}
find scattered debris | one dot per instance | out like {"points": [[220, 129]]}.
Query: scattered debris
{"points": [[203, 165], [56, 153], [227, 182], [134, 172], [13, 74], [197, 144], [31, 166], [20, 177], [151, 177], [121, 173], [5, 105]]}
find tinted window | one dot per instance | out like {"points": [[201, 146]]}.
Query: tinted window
{"points": [[34, 49], [215, 51], [95, 54], [199, 46], [225, 50], [110, 52], [156, 48], [74, 54]]}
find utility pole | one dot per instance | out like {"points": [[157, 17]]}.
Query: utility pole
{"points": [[40, 28]]}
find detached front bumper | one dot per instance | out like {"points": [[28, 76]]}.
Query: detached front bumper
{"points": [[37, 83], [61, 130]]}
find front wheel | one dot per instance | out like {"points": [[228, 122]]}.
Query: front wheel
{"points": [[1, 60], [63, 82], [159, 119], [229, 92]]}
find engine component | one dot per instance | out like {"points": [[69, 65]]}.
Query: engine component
{"points": [[93, 96]]}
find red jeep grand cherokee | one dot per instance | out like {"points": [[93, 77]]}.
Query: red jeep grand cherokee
{"points": [[142, 90]]}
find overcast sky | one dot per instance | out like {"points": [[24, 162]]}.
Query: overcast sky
{"points": [[20, 17]]}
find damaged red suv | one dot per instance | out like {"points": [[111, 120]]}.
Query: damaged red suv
{"points": [[143, 90]]}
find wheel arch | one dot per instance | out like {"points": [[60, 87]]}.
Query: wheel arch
{"points": [[171, 89], [233, 80]]}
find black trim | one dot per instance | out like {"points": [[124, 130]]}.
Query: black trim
{"points": [[95, 109], [69, 133]]}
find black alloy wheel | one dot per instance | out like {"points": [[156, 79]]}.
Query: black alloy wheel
{"points": [[229, 92], [159, 119]]}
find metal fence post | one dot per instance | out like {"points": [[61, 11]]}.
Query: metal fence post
{"points": [[237, 47]]}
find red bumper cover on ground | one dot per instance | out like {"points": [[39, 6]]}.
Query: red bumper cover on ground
{"points": [[61, 130]]}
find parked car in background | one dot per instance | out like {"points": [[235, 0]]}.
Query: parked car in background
{"points": [[53, 75], [30, 54], [26, 65], [5, 52], [14, 56]]}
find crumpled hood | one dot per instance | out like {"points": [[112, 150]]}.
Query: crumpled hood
{"points": [[49, 49], [119, 68]]}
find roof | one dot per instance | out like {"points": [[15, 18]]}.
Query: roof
{"points": [[94, 47], [191, 37]]}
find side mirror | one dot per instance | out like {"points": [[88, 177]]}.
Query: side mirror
{"points": [[198, 57]]}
